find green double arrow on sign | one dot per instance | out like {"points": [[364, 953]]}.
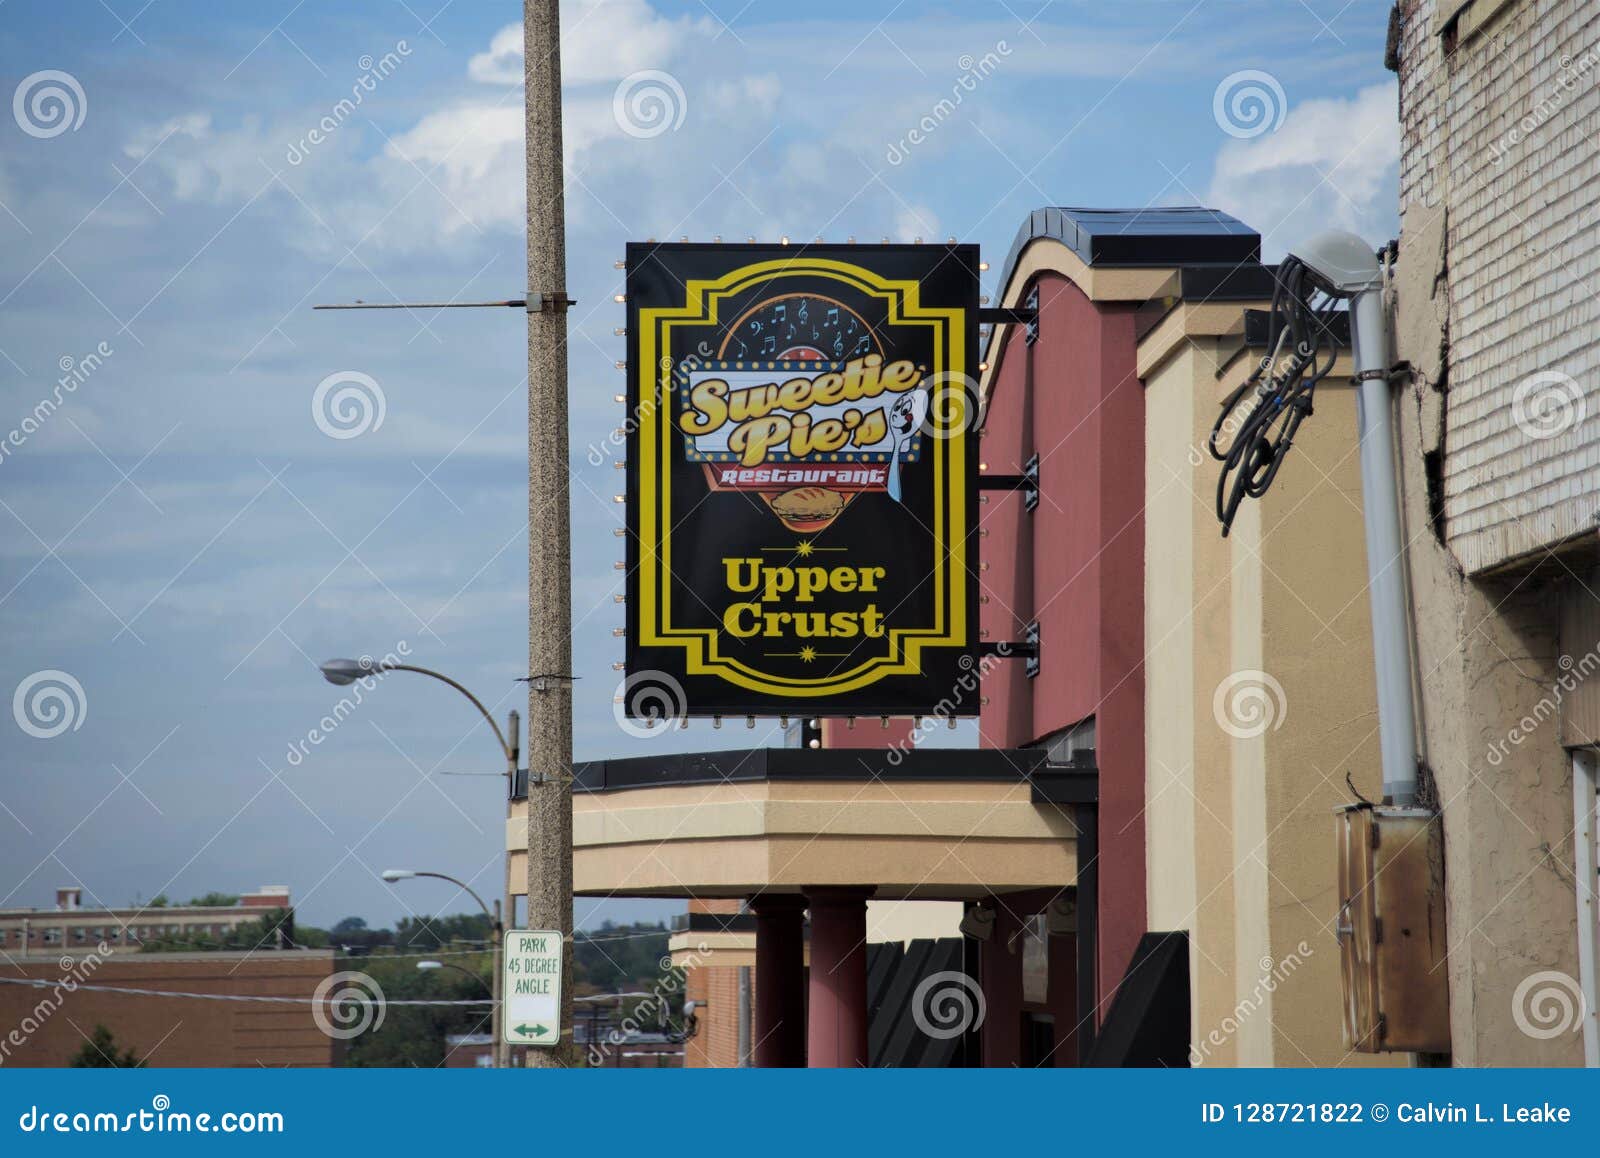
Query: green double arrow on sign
{"points": [[531, 1030]]}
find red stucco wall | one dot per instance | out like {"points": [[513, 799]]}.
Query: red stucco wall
{"points": [[1077, 565]]}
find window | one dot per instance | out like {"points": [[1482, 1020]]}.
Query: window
{"points": [[1586, 850], [52, 936], [79, 934]]}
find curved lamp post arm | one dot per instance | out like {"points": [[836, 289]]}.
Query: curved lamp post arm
{"points": [[464, 887], [505, 747]]}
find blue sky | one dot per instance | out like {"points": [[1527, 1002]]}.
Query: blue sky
{"points": [[185, 539]]}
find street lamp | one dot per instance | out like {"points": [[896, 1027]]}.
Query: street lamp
{"points": [[344, 672], [497, 940], [429, 966]]}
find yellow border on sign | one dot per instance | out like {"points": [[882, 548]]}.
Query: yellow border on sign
{"points": [[702, 300]]}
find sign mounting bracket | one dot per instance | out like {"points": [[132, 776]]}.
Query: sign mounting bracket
{"points": [[1027, 482], [1026, 649]]}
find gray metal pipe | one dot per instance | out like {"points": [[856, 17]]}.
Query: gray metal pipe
{"points": [[1386, 563]]}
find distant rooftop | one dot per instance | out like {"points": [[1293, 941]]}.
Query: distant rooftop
{"points": [[1161, 236], [69, 899]]}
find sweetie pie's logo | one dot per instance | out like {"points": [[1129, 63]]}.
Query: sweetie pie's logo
{"points": [[808, 435]]}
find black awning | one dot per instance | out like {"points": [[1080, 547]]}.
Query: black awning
{"points": [[1051, 783]]}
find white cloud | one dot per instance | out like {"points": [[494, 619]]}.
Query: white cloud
{"points": [[502, 64], [914, 221], [194, 125], [762, 147], [600, 40], [1333, 163]]}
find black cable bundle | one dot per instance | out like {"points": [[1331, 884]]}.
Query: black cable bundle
{"points": [[1278, 396]]}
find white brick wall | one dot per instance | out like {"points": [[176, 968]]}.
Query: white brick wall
{"points": [[1506, 135]]}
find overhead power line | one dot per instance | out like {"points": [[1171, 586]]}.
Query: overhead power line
{"points": [[333, 998]]}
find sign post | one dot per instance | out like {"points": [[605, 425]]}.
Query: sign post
{"points": [[531, 984]]}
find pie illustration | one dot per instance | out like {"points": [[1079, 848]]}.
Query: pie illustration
{"points": [[807, 509]]}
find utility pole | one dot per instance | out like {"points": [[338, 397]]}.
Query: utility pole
{"points": [[549, 530], [506, 907]]}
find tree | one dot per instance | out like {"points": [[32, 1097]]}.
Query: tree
{"points": [[215, 901], [351, 925], [100, 1053], [273, 930], [414, 1035], [424, 933], [616, 957]]}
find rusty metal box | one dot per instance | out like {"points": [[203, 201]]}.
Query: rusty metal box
{"points": [[1391, 929]]}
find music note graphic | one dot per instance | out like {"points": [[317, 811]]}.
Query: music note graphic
{"points": [[769, 344]]}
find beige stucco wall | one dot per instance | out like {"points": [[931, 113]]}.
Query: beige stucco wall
{"points": [[1487, 266], [907, 840], [1240, 832]]}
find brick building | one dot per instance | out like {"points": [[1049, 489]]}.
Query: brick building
{"points": [[1499, 428], [49, 1024], [71, 928]]}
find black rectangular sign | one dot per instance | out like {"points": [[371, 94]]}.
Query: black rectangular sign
{"points": [[802, 466]]}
